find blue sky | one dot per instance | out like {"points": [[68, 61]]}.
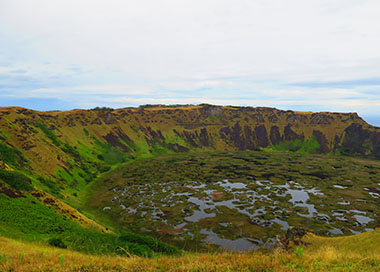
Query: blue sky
{"points": [[314, 55]]}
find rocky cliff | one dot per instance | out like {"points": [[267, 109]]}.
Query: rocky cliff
{"points": [[74, 146]]}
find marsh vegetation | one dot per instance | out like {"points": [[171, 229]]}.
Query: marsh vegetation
{"points": [[240, 200]]}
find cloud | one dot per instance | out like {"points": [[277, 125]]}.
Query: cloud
{"points": [[314, 55], [340, 84]]}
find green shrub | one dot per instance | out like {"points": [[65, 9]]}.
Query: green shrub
{"points": [[153, 244], [110, 155], [299, 251], [57, 242], [29, 219], [102, 168], [136, 249], [48, 133], [102, 109], [309, 146], [70, 150], [86, 132], [11, 156], [3, 135], [148, 106], [17, 180], [50, 184]]}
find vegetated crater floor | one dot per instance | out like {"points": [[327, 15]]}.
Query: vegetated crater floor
{"points": [[240, 200]]}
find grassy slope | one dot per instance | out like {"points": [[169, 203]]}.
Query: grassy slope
{"points": [[56, 143], [21, 256], [68, 150], [365, 244], [350, 253]]}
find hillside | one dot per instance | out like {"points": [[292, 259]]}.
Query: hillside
{"points": [[55, 142], [27, 257], [59, 172]]}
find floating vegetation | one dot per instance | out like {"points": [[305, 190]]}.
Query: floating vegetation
{"points": [[236, 200]]}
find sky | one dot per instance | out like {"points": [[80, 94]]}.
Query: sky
{"points": [[309, 55]]}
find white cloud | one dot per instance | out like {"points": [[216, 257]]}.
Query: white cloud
{"points": [[252, 49]]}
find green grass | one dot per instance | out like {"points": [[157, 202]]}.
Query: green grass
{"points": [[109, 154], [52, 186], [29, 219], [143, 176], [309, 146], [49, 134], [11, 156], [16, 180], [158, 150], [3, 135]]}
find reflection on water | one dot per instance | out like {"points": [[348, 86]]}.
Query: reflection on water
{"points": [[240, 244], [284, 224], [340, 186], [255, 203], [363, 220], [336, 231], [232, 185]]}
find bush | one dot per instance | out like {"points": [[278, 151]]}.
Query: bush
{"points": [[102, 168], [57, 242], [11, 155], [48, 133], [86, 132], [27, 218], [50, 184], [102, 109], [134, 249], [70, 150], [17, 180], [153, 244]]}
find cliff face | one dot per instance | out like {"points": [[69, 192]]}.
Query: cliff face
{"points": [[73, 146]]}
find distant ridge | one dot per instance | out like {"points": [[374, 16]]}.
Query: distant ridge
{"points": [[101, 137]]}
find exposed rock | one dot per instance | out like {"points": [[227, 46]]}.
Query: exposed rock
{"points": [[4, 166], [321, 138], [258, 117], [273, 118], [290, 135], [250, 137], [355, 137], [293, 236], [71, 123], [235, 137], [235, 128], [275, 136], [281, 112], [114, 141], [22, 121], [177, 148], [210, 110], [354, 116], [10, 192], [97, 121], [204, 137], [261, 136], [296, 118], [190, 138], [321, 119], [110, 118], [123, 136], [47, 116]]}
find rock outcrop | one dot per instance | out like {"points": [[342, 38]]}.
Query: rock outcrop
{"points": [[49, 141]]}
